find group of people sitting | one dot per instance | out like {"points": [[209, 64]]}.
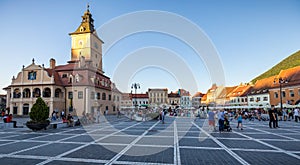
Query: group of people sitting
{"points": [[65, 119], [7, 118]]}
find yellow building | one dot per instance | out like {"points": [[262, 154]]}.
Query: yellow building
{"points": [[78, 87]]}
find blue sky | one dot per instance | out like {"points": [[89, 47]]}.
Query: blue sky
{"points": [[250, 36]]}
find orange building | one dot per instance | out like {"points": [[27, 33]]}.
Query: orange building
{"points": [[290, 87]]}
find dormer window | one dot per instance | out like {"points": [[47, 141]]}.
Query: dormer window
{"points": [[81, 29], [64, 75], [71, 79]]}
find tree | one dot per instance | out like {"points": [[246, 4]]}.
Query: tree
{"points": [[39, 111]]}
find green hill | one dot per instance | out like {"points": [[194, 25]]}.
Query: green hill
{"points": [[289, 62]]}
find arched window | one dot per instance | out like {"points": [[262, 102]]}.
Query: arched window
{"points": [[71, 79], [17, 93], [47, 92], [26, 93], [36, 92], [103, 96], [98, 96], [58, 93]]}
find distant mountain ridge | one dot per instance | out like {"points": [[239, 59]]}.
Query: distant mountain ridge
{"points": [[289, 62]]}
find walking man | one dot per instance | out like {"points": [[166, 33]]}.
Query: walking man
{"points": [[276, 117], [163, 116], [221, 120], [272, 117], [296, 114]]}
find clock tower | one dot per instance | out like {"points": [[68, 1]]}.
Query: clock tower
{"points": [[86, 43]]}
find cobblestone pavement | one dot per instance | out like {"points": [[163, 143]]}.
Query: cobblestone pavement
{"points": [[178, 141]]}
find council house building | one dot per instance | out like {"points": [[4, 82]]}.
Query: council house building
{"points": [[78, 87]]}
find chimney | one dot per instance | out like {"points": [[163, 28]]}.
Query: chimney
{"points": [[52, 63]]}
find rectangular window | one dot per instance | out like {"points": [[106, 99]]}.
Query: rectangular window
{"points": [[109, 97], [103, 96], [276, 95], [31, 75], [251, 99], [80, 95], [283, 93], [98, 96], [257, 98], [70, 95], [64, 76], [292, 93], [92, 95], [265, 98]]}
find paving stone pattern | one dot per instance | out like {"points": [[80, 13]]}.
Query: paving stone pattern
{"points": [[178, 141]]}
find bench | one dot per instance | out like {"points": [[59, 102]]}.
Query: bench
{"points": [[6, 125], [57, 124]]}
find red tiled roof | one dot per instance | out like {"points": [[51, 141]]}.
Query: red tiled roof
{"points": [[262, 86], [198, 94], [204, 97], [225, 91], [239, 91], [141, 95], [292, 75], [84, 73], [173, 94]]}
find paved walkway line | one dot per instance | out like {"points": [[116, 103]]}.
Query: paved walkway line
{"points": [[116, 157], [269, 145], [80, 147], [176, 146], [16, 141], [267, 132], [229, 151]]}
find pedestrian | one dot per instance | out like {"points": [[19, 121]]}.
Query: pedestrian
{"points": [[240, 121], [162, 116], [272, 117], [98, 116], [276, 117], [53, 116], [62, 114], [290, 112], [296, 114], [211, 120], [144, 115], [284, 112], [221, 120], [70, 120], [118, 113]]}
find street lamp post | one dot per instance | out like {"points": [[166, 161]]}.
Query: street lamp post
{"points": [[135, 86], [280, 81]]}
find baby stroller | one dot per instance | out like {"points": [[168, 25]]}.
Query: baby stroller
{"points": [[227, 125]]}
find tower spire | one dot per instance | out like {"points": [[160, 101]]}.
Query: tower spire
{"points": [[87, 23]]}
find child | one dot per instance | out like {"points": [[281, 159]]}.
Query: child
{"points": [[240, 120]]}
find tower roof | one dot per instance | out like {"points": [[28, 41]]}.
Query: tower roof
{"points": [[87, 23]]}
